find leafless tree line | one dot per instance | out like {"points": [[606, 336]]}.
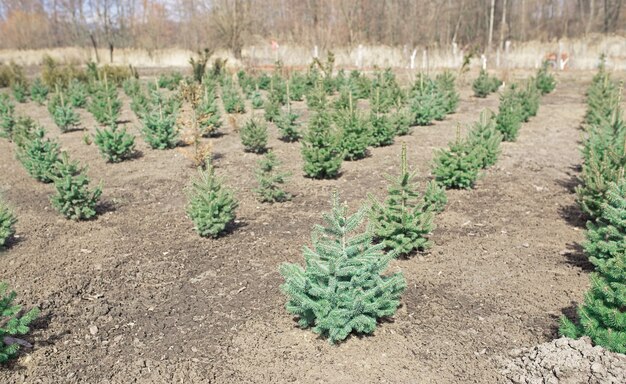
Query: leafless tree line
{"points": [[232, 24]]}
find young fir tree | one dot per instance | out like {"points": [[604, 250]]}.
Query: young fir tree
{"points": [[602, 316], [602, 97], [7, 116], [13, 324], [545, 81], [485, 139], [288, 126], [39, 156], [381, 130], [254, 136], [105, 106], [297, 86], [321, 148], [446, 84], [400, 121], [39, 91], [233, 102], [529, 98], [401, 223], [427, 102], [64, 115], [257, 100], [115, 144], [484, 84], [209, 118], [7, 223], [270, 180], [510, 115], [355, 135], [20, 91], [211, 207], [77, 93], [159, 125], [458, 166], [73, 199], [342, 288], [435, 198]]}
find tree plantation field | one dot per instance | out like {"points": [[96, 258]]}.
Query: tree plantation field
{"points": [[136, 295]]}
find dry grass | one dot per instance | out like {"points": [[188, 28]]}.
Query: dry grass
{"points": [[583, 54]]}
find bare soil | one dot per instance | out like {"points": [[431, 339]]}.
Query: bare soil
{"points": [[136, 296]]}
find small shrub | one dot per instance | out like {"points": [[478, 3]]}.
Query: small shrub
{"points": [[210, 206], [270, 180], [7, 224], [55, 75], [321, 148], [254, 136], [11, 73], [401, 223], [12, 324], [73, 199], [115, 144], [39, 156], [342, 288], [435, 198], [38, 91], [458, 166]]}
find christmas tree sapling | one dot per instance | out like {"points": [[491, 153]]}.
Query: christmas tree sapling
{"points": [[13, 324], [458, 166], [602, 316], [211, 207], [321, 149], [342, 288], [7, 223], [485, 139], [401, 223], [271, 180], [39, 156], [73, 198], [115, 144], [254, 136], [435, 198]]}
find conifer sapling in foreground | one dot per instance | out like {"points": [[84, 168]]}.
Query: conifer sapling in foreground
{"points": [[602, 316], [13, 324], [211, 206], [342, 288], [271, 180], [7, 223], [401, 223]]}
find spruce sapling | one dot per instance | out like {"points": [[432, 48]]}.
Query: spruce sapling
{"points": [[39, 91], [483, 85], [73, 199], [529, 98], [20, 91], [401, 223], [115, 144], [458, 166], [270, 180], [254, 136], [342, 288], [381, 130], [64, 115], [355, 135], [602, 316], [39, 156], [7, 223], [321, 148], [77, 94], [446, 85], [257, 100], [400, 122], [435, 198], [211, 207], [545, 81], [485, 139], [510, 115], [159, 125], [7, 116], [13, 324], [288, 126], [208, 115]]}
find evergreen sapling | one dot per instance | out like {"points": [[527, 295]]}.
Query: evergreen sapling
{"points": [[485, 139], [38, 91], [7, 224], [458, 166], [602, 316], [254, 136], [211, 207], [270, 180], [64, 115], [435, 198], [13, 324], [355, 135], [321, 149], [115, 144], [73, 199], [39, 156], [381, 130], [342, 288], [401, 223], [510, 115]]}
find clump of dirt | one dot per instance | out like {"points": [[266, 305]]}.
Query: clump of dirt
{"points": [[565, 361]]}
